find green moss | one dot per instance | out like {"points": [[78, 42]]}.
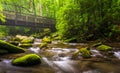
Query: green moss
{"points": [[46, 40], [27, 40], [14, 43], [27, 60], [25, 45], [104, 48], [3, 51], [84, 51], [43, 45], [15, 39], [11, 48]]}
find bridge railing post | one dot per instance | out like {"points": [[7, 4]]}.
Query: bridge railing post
{"points": [[16, 18]]}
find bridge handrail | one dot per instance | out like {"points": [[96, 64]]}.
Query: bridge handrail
{"points": [[28, 18]]}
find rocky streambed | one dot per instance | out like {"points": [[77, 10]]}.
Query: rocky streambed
{"points": [[58, 58]]}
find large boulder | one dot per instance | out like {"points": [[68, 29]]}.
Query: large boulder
{"points": [[11, 48], [27, 60], [25, 39]]}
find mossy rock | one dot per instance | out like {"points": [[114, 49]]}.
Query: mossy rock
{"points": [[46, 40], [16, 43], [104, 48], [3, 51], [28, 40], [11, 48], [84, 51], [25, 39], [97, 44], [25, 45], [27, 60], [15, 39], [43, 45]]}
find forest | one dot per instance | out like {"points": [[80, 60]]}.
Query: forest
{"points": [[59, 36]]}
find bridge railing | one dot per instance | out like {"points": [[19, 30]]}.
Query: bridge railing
{"points": [[28, 18]]}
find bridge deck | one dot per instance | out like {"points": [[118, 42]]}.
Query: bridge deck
{"points": [[16, 19]]}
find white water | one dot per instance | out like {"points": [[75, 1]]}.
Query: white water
{"points": [[36, 50], [95, 53], [91, 71], [62, 50], [117, 54], [7, 61], [51, 64]]}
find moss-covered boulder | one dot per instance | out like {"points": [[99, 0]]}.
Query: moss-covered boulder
{"points": [[11, 48], [85, 52], [46, 40], [25, 39], [27, 60], [104, 48], [43, 45], [28, 40], [25, 45], [16, 43]]}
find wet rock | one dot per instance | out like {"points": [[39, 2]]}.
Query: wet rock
{"points": [[97, 44], [11, 48], [104, 48], [46, 40], [28, 40], [27, 60], [16, 43], [85, 52], [43, 45]]}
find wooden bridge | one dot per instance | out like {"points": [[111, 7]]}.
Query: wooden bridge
{"points": [[17, 19]]}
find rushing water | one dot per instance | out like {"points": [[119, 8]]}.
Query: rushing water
{"points": [[58, 60], [117, 54]]}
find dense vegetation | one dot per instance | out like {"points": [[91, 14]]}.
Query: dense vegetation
{"points": [[77, 20], [83, 20]]}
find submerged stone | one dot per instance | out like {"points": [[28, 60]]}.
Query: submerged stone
{"points": [[104, 48], [27, 60], [10, 48]]}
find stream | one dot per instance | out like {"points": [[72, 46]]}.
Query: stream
{"points": [[58, 60]]}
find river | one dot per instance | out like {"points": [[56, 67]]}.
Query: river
{"points": [[58, 59]]}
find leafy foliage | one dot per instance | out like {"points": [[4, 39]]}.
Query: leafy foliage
{"points": [[87, 20]]}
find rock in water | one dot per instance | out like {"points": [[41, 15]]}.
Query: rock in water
{"points": [[27, 60], [104, 48], [11, 48]]}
